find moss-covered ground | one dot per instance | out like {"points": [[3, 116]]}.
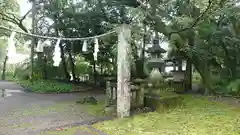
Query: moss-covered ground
{"points": [[198, 116]]}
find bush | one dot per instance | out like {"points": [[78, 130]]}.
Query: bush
{"points": [[43, 86], [219, 84], [234, 87], [8, 76], [196, 78], [82, 66]]}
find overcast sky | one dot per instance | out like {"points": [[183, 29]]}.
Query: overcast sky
{"points": [[24, 6]]}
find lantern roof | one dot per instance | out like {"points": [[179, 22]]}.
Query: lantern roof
{"points": [[156, 48], [103, 49], [174, 58]]}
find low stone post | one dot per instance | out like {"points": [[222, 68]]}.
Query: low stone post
{"points": [[108, 94]]}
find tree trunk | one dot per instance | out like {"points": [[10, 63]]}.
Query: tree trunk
{"points": [[140, 62], [40, 56], [124, 74], [94, 72], [4, 68], [101, 72], [34, 12], [64, 64], [188, 75], [45, 75], [229, 62], [180, 65], [72, 65], [205, 73], [233, 66]]}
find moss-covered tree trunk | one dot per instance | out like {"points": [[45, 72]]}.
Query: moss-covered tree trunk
{"points": [[4, 68], [34, 42], [206, 77], [64, 64], [62, 55], [204, 70], [72, 65], [188, 74], [124, 72], [140, 62], [45, 73], [40, 56], [94, 72]]}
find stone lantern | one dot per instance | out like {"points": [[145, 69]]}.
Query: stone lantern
{"points": [[178, 73], [156, 61]]}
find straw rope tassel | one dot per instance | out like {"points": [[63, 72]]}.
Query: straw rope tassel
{"points": [[39, 46], [57, 55], [96, 49], [11, 49], [84, 47]]}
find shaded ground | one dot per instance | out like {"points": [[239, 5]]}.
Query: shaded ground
{"points": [[226, 100], [29, 113]]}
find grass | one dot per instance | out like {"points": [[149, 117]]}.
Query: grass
{"points": [[95, 110], [198, 116]]}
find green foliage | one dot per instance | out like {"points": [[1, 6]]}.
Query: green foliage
{"points": [[215, 33], [196, 78], [82, 67], [46, 86], [234, 87], [37, 76], [22, 74], [3, 48], [22, 70], [219, 84], [10, 76]]}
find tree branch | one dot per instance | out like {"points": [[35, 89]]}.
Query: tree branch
{"points": [[196, 21], [7, 18], [14, 20], [104, 12], [24, 17], [142, 5]]}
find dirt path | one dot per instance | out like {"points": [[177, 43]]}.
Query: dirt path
{"points": [[28, 113], [227, 100]]}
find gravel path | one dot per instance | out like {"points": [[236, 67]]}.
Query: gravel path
{"points": [[24, 113]]}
